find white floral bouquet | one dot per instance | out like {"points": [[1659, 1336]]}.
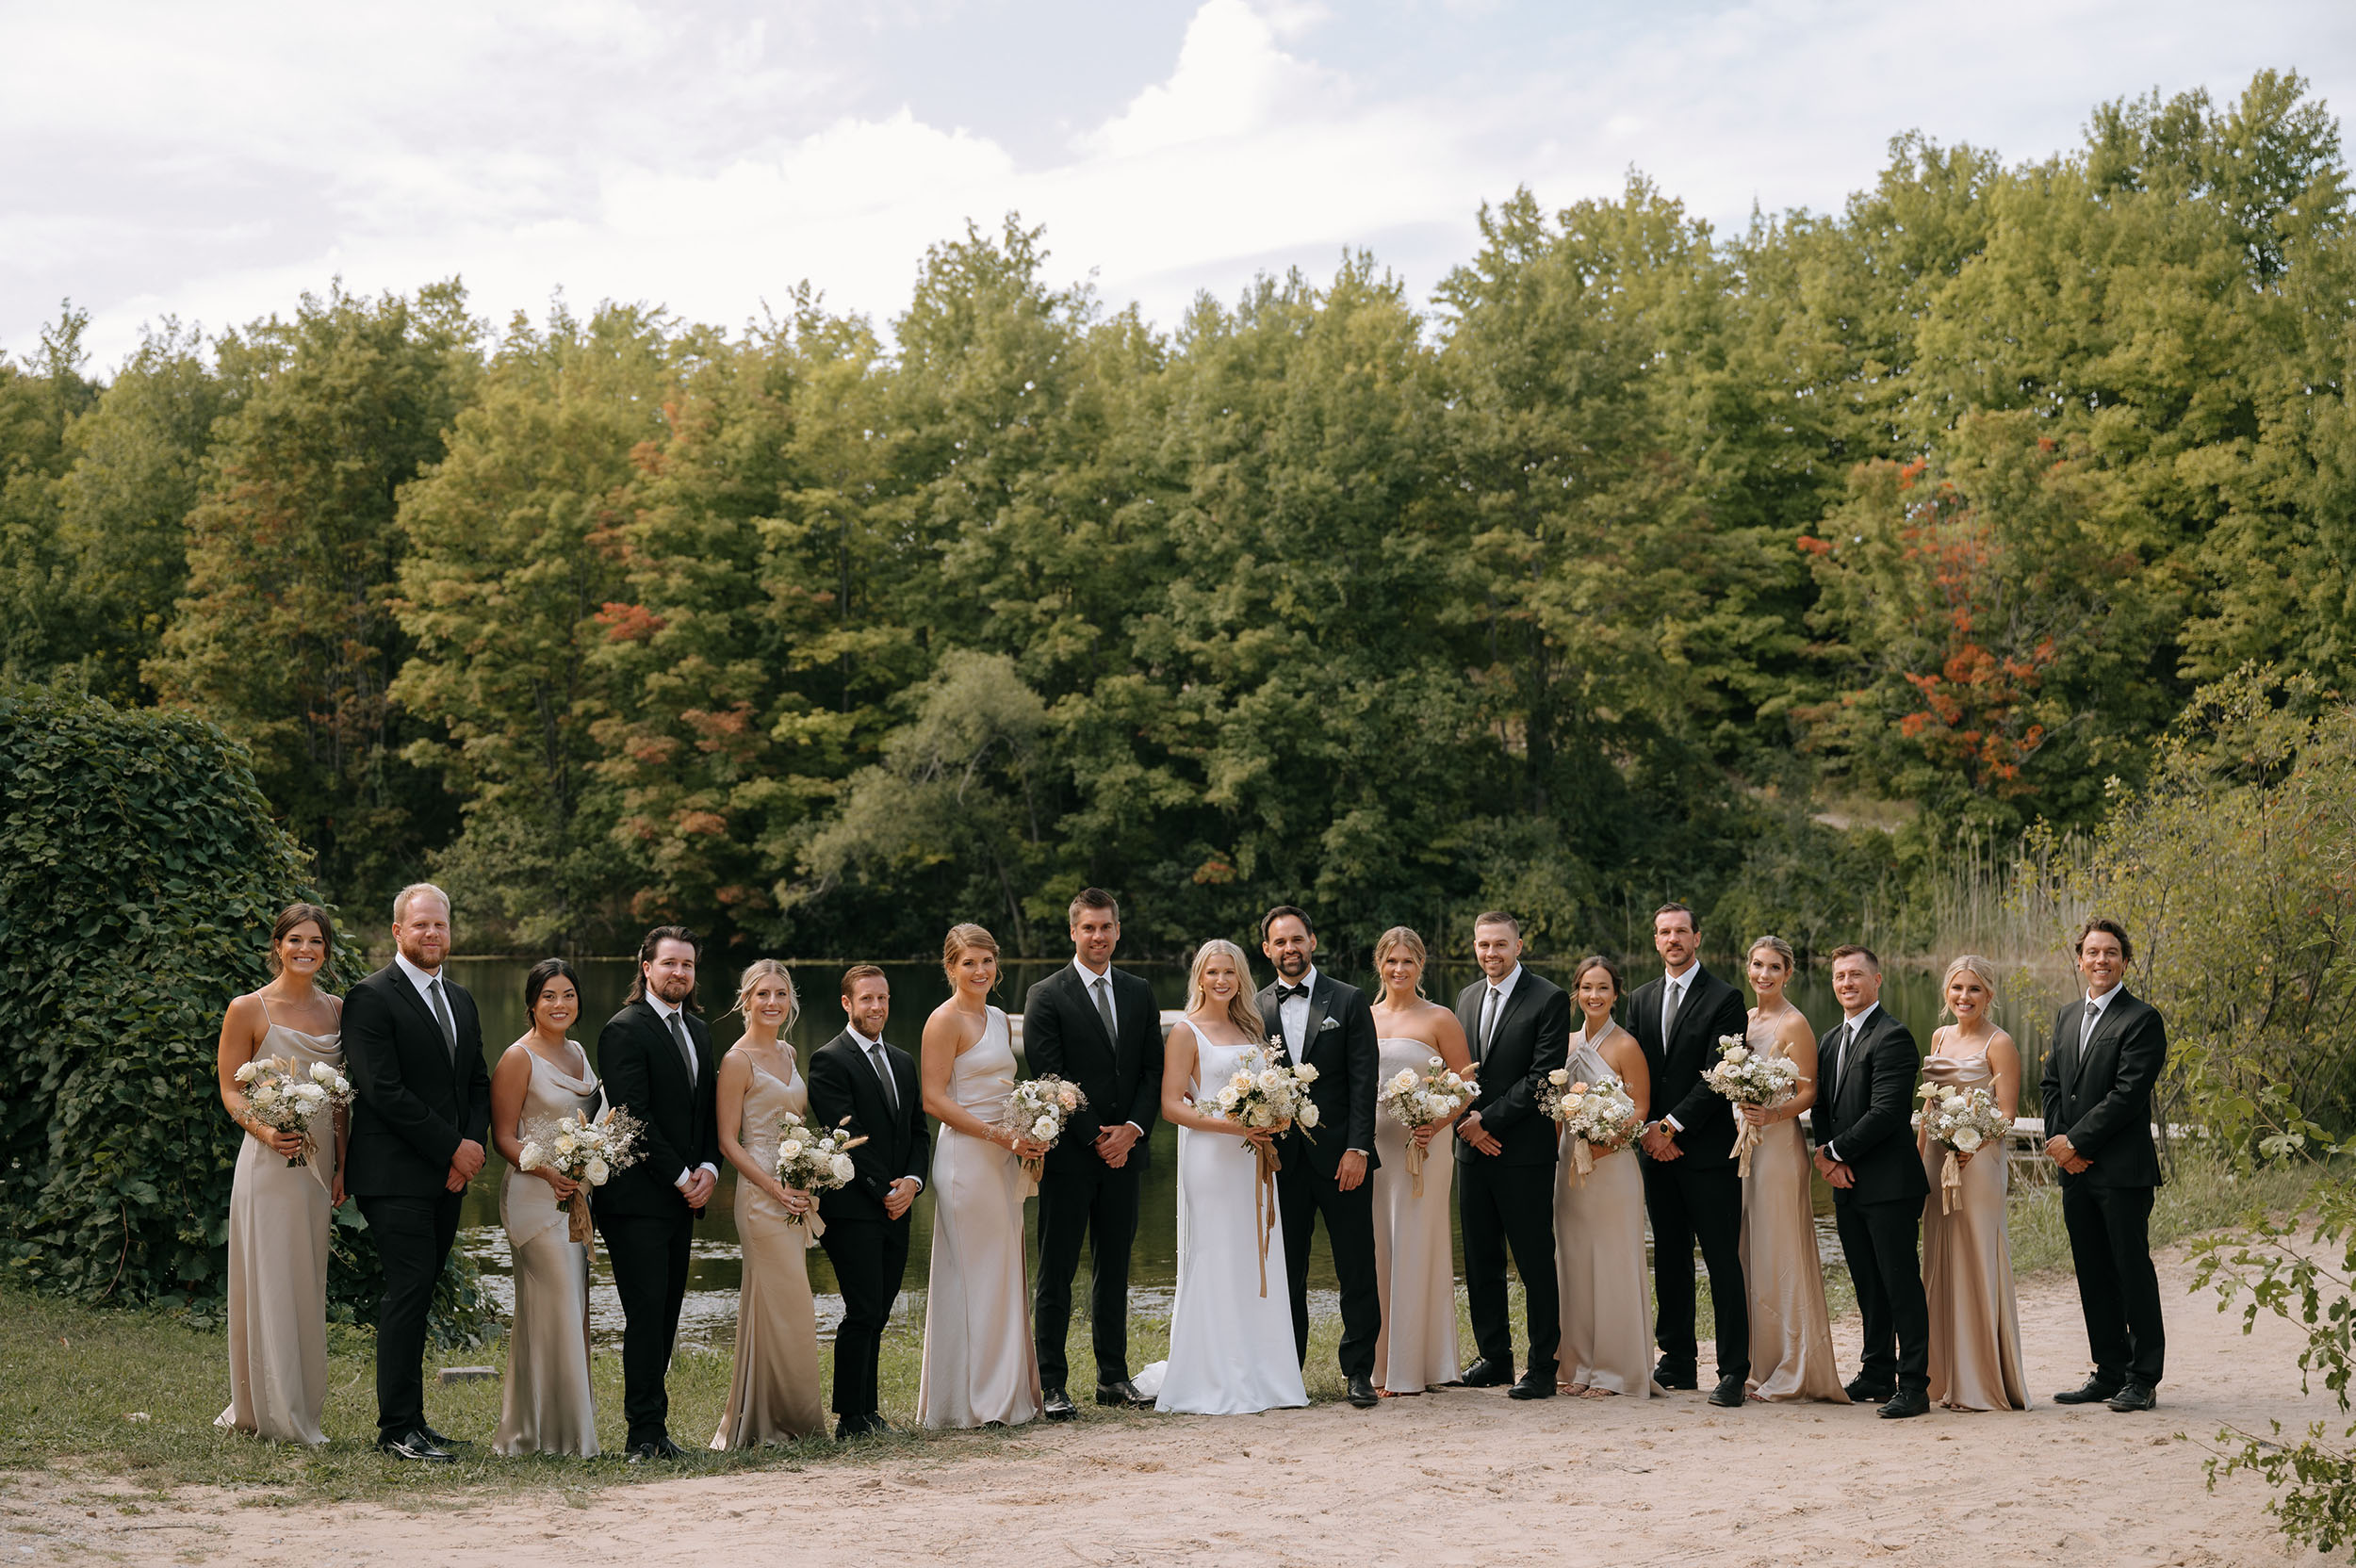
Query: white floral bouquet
{"points": [[1415, 1100], [1268, 1094], [583, 1149], [1963, 1122], [1038, 1109], [1750, 1077], [286, 1099], [1598, 1116], [813, 1162]]}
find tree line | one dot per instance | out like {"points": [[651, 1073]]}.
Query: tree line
{"points": [[1756, 569]]}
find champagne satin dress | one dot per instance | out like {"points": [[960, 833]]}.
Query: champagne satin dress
{"points": [[544, 1404], [775, 1395], [980, 1365], [1415, 1258], [1599, 1265], [279, 1219], [1967, 1270], [1790, 1330]]}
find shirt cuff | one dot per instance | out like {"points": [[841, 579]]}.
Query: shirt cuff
{"points": [[1831, 1154], [1673, 1124], [682, 1180], [918, 1179], [712, 1169], [1139, 1130]]}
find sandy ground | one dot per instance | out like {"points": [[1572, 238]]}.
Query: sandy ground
{"points": [[1456, 1478]]}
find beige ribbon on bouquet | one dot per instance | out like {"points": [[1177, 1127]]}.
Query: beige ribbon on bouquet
{"points": [[1950, 1184], [1415, 1156], [1583, 1160], [577, 1227], [1263, 1204], [1748, 1136]]}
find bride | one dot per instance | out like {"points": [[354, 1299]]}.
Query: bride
{"points": [[1230, 1342]]}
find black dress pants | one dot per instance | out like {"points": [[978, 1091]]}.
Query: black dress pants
{"points": [[1505, 1207], [1691, 1202], [413, 1238], [1086, 1200], [650, 1254], [1883, 1244], [870, 1259], [1302, 1193], [2119, 1290]]}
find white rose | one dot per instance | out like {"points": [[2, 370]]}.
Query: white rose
{"points": [[1272, 1080], [1405, 1081], [247, 1074], [310, 1094], [1558, 1077], [1572, 1102], [567, 1143], [1952, 1104], [1306, 1073], [1739, 1054], [1967, 1138], [596, 1172], [266, 1094], [843, 1168], [1043, 1129], [1308, 1116], [791, 1148], [531, 1158]]}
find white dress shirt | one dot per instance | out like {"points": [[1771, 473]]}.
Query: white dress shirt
{"points": [[1674, 986], [873, 1052], [2101, 1005], [1841, 1062], [1089, 980], [666, 1012], [1293, 1012], [1504, 990], [420, 978]]}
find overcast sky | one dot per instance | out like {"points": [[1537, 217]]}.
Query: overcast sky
{"points": [[214, 160]]}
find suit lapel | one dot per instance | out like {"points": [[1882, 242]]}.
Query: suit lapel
{"points": [[1688, 1012], [1507, 1014], [1320, 999], [1272, 1016], [1859, 1050], [400, 979], [1086, 989], [2105, 1027]]}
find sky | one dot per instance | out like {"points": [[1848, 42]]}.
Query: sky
{"points": [[210, 163]]}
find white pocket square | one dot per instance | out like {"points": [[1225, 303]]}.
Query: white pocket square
{"points": [[1329, 1023]]}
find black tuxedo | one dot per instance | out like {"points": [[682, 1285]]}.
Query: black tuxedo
{"points": [[643, 1215], [2098, 1092], [868, 1248], [1863, 1116], [1348, 1063], [1506, 1199], [1079, 1195], [1697, 1197], [416, 1098]]}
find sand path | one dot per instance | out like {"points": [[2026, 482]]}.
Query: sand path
{"points": [[1455, 1477]]}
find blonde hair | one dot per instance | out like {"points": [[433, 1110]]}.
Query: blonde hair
{"points": [[1405, 940], [962, 937], [1242, 1011], [768, 969], [1780, 948], [1979, 969], [402, 899]]}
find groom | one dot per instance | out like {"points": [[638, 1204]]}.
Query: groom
{"points": [[1098, 1028], [1329, 1026], [657, 1060]]}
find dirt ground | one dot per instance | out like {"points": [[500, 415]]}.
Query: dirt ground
{"points": [[1459, 1476]]}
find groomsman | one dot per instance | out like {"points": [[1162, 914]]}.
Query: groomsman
{"points": [[1098, 1028], [1865, 1148], [658, 1063], [422, 1112], [855, 1077], [2108, 1047], [1519, 1025], [1330, 1027], [1693, 1186]]}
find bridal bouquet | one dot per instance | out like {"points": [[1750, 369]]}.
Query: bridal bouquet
{"points": [[1419, 1099], [588, 1150], [1600, 1115], [1261, 1093], [1748, 1077], [1963, 1120], [813, 1162], [1038, 1109], [287, 1100]]}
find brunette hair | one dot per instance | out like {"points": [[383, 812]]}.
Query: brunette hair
{"points": [[1092, 898], [1279, 912], [2103, 922], [648, 948], [536, 980], [1242, 1011], [768, 969], [960, 938], [1497, 917], [1596, 961], [1851, 949], [1674, 907], [1980, 969], [856, 972], [292, 916]]}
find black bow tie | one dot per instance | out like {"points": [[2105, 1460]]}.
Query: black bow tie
{"points": [[1285, 993]]}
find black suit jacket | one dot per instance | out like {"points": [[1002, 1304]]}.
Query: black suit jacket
{"points": [[1712, 1009], [842, 1085], [414, 1102], [1348, 1062], [1868, 1116], [1532, 1039], [2099, 1091], [644, 1075], [1063, 1034]]}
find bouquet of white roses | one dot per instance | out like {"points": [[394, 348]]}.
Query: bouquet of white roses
{"points": [[813, 1162], [1750, 1077], [1598, 1116], [1038, 1109], [1964, 1122], [1268, 1094], [588, 1150], [1415, 1100], [286, 1099]]}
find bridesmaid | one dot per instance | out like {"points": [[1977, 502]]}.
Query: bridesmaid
{"points": [[279, 1213], [1414, 1259], [773, 1396], [1967, 1258], [545, 1406], [1790, 1330], [1599, 1260], [980, 1368]]}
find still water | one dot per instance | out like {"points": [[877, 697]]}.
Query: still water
{"points": [[709, 1315]]}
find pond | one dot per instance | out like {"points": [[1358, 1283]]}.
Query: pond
{"points": [[709, 1315]]}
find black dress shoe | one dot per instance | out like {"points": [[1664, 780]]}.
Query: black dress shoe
{"points": [[1675, 1377], [859, 1425], [1862, 1393], [1729, 1393], [1362, 1392], [2132, 1395], [1056, 1406], [414, 1446], [655, 1448], [1532, 1386], [1906, 1402], [2096, 1392], [440, 1442], [1123, 1394], [1485, 1373]]}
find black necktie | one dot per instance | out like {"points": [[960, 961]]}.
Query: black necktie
{"points": [[1285, 993], [1841, 1057], [883, 1070], [441, 1015], [686, 1052], [1103, 986]]}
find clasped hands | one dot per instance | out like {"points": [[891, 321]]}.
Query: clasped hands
{"points": [[1835, 1172], [2064, 1154], [462, 1165], [1113, 1144], [1658, 1143]]}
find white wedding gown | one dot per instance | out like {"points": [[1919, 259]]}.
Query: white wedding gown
{"points": [[1231, 1347]]}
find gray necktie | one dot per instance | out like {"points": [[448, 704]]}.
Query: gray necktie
{"points": [[686, 1051], [1669, 1012], [2094, 1016], [1103, 986], [1489, 1011], [883, 1070], [441, 1015]]}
